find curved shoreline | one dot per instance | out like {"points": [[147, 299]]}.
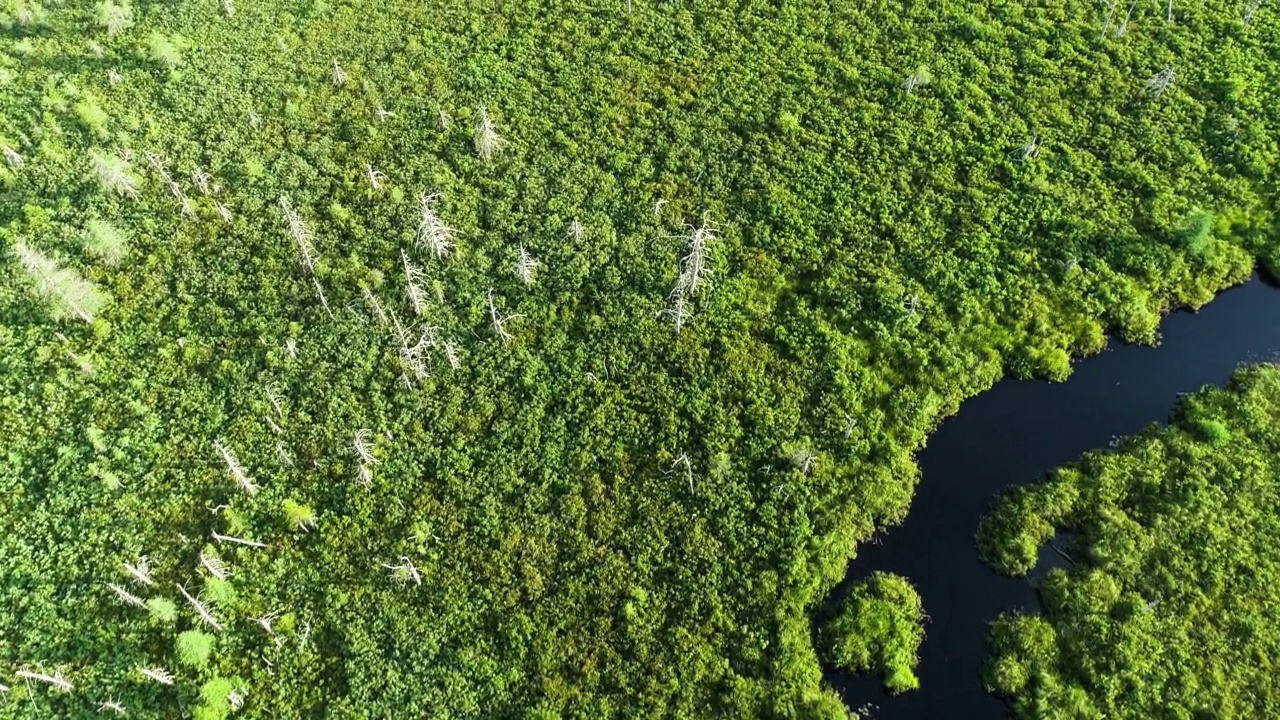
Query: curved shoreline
{"points": [[1013, 434]]}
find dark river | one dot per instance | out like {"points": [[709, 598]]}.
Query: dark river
{"points": [[1014, 434]]}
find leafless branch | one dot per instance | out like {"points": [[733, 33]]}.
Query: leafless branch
{"points": [[159, 675], [55, 680], [126, 596], [404, 572], [202, 609], [499, 321], [141, 572], [237, 470], [237, 541]]}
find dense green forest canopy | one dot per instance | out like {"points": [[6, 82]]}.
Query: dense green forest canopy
{"points": [[358, 322], [1169, 608]]}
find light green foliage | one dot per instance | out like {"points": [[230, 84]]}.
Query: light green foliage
{"points": [[91, 116], [163, 51], [163, 611], [880, 259], [1168, 610], [879, 628], [66, 292], [214, 698], [220, 592], [113, 173], [298, 516], [114, 17], [194, 648], [22, 14], [106, 241]]}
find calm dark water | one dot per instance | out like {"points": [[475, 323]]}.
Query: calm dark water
{"points": [[1014, 434]]}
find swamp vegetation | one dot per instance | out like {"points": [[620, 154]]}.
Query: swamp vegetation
{"points": [[534, 360], [1168, 606]]}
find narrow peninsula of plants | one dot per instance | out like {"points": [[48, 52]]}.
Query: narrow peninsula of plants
{"points": [[512, 359], [1167, 608]]}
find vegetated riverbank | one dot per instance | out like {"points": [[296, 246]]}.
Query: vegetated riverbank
{"points": [[549, 361], [1013, 434], [1168, 607]]}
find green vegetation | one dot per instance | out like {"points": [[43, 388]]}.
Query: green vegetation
{"points": [[194, 648], [585, 340], [1168, 610], [879, 627]]}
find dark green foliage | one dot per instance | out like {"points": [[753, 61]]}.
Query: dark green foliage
{"points": [[1168, 610], [879, 259], [879, 628], [1196, 233]]}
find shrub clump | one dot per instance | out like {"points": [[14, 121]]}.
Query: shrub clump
{"points": [[880, 627]]}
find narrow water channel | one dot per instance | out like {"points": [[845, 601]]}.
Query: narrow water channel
{"points": [[1014, 434]]}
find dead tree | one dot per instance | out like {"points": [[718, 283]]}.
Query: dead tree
{"points": [[55, 680], [237, 541], [803, 459], [1031, 149], [695, 270], [1124, 26], [364, 447], [201, 180], [324, 301], [376, 177], [678, 312], [214, 565], [236, 697], [451, 355], [237, 470], [202, 610], [1251, 10], [158, 675], [525, 266], [433, 235], [404, 572], [114, 173], [374, 304], [917, 79], [413, 353], [300, 234], [499, 321], [682, 461], [127, 597], [141, 571], [276, 398], [488, 143], [1160, 83], [266, 620], [68, 292], [415, 280], [1111, 11]]}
